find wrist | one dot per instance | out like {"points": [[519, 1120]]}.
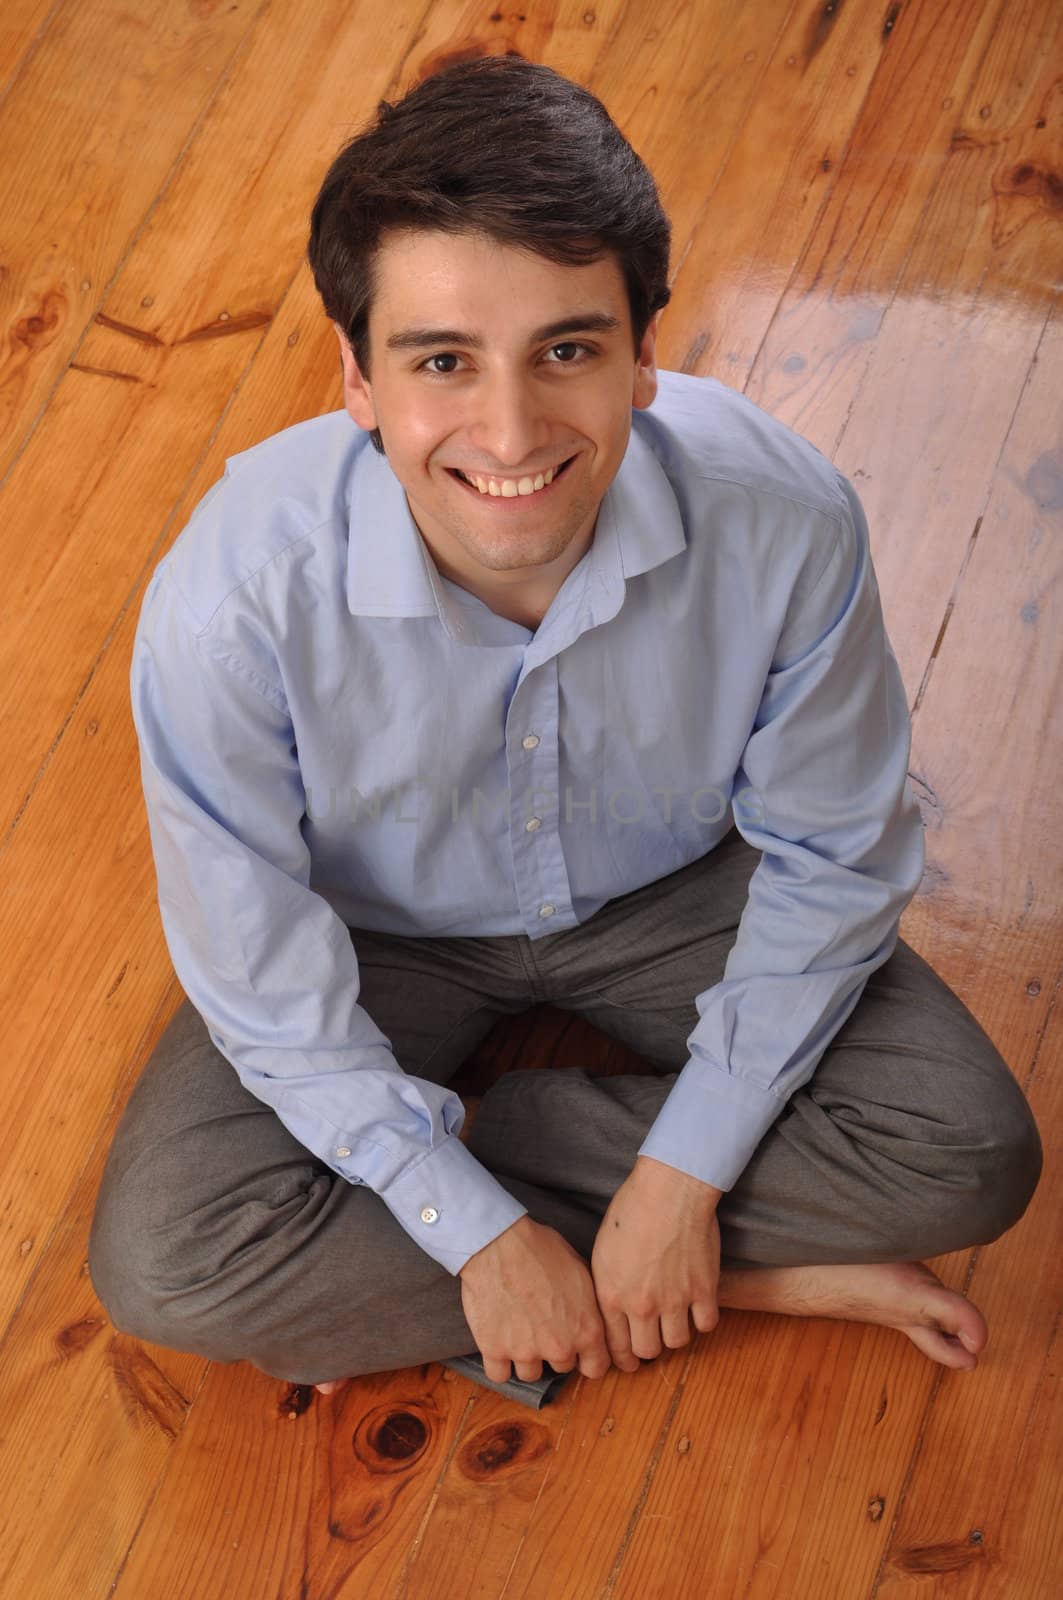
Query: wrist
{"points": [[649, 1170], [495, 1247]]}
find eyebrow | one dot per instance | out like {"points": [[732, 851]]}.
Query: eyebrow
{"points": [[581, 322]]}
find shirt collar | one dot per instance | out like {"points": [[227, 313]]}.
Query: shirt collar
{"points": [[391, 572]]}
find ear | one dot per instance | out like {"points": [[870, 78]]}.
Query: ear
{"points": [[357, 394], [644, 390]]}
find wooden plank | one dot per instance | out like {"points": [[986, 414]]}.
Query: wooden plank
{"points": [[801, 357], [21, 31], [86, 151], [980, 1512], [326, 1487], [1003, 644], [90, 1418], [946, 372], [927, 143]]}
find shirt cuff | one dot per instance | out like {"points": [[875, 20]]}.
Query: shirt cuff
{"points": [[710, 1124], [450, 1204]]}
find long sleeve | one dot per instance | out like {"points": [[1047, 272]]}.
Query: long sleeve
{"points": [[822, 792], [265, 960]]}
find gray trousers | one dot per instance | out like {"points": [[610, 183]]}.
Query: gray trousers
{"points": [[215, 1231]]}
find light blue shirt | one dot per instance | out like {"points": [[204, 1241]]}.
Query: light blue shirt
{"points": [[333, 735]]}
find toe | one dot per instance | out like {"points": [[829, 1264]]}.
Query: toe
{"points": [[943, 1347], [964, 1324], [953, 1316]]}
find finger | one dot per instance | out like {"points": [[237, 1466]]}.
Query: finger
{"points": [[597, 1362], [595, 1358], [497, 1371], [618, 1337], [706, 1315], [645, 1336], [529, 1371], [675, 1328]]}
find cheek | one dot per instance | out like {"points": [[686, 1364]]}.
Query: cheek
{"points": [[417, 424]]}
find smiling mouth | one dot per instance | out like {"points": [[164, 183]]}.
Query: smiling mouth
{"points": [[509, 499]]}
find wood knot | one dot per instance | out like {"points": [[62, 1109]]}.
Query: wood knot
{"points": [[390, 1438], [502, 1447]]}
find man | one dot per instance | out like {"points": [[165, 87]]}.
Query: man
{"points": [[594, 611]]}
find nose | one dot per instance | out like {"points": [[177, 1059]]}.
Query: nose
{"points": [[509, 427]]}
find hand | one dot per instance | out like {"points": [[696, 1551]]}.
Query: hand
{"points": [[528, 1297], [656, 1257]]}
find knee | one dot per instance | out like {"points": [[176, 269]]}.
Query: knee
{"points": [[146, 1276], [119, 1285], [225, 1287], [986, 1178], [1010, 1166]]}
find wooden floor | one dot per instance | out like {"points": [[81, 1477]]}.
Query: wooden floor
{"points": [[867, 203]]}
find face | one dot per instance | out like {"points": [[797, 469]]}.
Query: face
{"points": [[524, 398]]}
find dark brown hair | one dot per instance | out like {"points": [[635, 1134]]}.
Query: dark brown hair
{"points": [[496, 145]]}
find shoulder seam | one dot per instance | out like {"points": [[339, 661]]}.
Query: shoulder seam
{"points": [[305, 534], [835, 512], [845, 521], [227, 659]]}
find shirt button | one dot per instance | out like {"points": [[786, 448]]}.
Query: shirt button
{"points": [[530, 740], [343, 1150], [429, 1214], [533, 823], [547, 911]]}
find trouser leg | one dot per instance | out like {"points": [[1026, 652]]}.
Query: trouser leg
{"points": [[215, 1231], [912, 1138]]}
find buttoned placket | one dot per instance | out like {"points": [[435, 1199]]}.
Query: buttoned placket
{"points": [[533, 824]]}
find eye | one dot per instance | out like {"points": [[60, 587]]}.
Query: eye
{"points": [[444, 355], [588, 353], [571, 345]]}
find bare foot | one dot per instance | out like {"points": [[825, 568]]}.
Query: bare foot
{"points": [[471, 1102], [897, 1294]]}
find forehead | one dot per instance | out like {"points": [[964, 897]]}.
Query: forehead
{"points": [[470, 277]]}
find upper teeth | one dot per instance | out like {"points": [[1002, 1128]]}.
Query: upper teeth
{"points": [[508, 487]]}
